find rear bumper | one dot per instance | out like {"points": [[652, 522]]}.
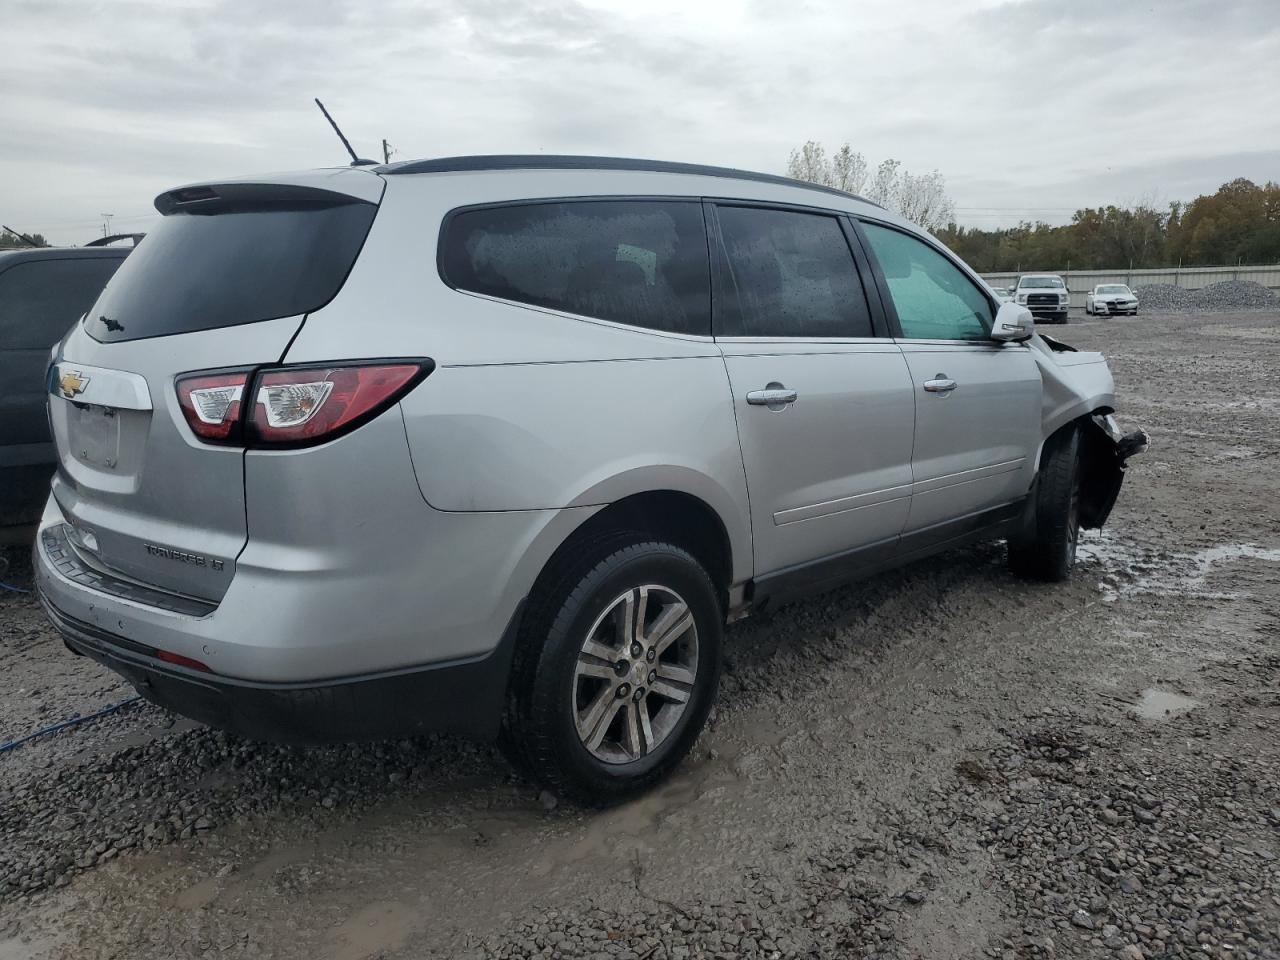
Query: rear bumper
{"points": [[465, 696]]}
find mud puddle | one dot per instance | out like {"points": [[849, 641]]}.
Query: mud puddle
{"points": [[1127, 571], [1157, 704]]}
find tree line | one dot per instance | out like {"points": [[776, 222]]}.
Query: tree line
{"points": [[1239, 223], [9, 242]]}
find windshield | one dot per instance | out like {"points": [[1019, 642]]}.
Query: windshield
{"points": [[1041, 282], [1113, 288], [257, 259]]}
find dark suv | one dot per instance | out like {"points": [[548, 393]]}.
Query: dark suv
{"points": [[43, 292]]}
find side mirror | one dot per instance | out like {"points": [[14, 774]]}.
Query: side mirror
{"points": [[1010, 289], [1013, 323]]}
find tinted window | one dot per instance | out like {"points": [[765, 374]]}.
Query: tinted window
{"points": [[935, 300], [41, 299], [790, 275], [630, 261], [199, 271]]}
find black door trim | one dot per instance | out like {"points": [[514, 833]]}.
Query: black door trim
{"points": [[826, 573]]}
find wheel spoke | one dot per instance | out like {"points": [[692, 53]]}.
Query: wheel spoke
{"points": [[672, 624], [590, 666], [624, 621], [671, 690], [599, 651], [638, 617], [646, 730], [595, 723], [637, 731], [673, 671]]}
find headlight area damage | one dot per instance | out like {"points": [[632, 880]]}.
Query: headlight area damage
{"points": [[1079, 389]]}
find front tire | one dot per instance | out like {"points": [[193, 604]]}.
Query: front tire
{"points": [[1048, 551], [616, 670]]}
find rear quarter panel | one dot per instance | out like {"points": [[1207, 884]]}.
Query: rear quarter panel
{"points": [[531, 409]]}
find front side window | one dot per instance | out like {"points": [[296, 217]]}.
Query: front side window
{"points": [[638, 262], [933, 297], [790, 275]]}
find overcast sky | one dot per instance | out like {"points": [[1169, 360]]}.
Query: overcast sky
{"points": [[1030, 109]]}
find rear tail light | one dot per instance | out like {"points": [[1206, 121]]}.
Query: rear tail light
{"points": [[211, 404], [310, 404], [296, 405]]}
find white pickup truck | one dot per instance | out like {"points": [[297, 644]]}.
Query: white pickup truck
{"points": [[1044, 294]]}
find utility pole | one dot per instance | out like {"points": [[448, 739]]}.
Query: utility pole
{"points": [[106, 223], [386, 151]]}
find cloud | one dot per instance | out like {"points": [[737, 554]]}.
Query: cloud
{"points": [[1030, 108]]}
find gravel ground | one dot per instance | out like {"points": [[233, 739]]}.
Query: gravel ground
{"points": [[1226, 295], [941, 762]]}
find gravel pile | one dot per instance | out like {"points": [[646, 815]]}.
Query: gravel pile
{"points": [[1227, 295], [1162, 296]]}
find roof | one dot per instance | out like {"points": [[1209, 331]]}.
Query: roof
{"points": [[539, 161]]}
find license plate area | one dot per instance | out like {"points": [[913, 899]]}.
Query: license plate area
{"points": [[93, 435]]}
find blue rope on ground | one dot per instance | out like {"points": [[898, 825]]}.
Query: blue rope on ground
{"points": [[9, 586], [4, 747]]}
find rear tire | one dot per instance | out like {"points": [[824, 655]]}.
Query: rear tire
{"points": [[1049, 551], [617, 666]]}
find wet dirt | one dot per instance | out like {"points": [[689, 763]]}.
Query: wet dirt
{"points": [[900, 768]]}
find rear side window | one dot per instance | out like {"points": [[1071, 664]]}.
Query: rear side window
{"points": [[640, 262], [257, 258], [790, 275], [40, 300], [935, 300]]}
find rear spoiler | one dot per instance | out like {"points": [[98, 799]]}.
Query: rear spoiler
{"points": [[211, 199]]}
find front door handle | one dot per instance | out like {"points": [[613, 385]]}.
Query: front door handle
{"points": [[939, 384], [774, 396]]}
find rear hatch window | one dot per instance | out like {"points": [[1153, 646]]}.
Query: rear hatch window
{"points": [[233, 254]]}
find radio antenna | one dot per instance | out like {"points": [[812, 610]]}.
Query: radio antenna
{"points": [[355, 161]]}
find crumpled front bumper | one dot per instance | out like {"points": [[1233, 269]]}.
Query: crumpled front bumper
{"points": [[1105, 451]]}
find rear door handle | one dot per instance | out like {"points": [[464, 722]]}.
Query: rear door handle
{"points": [[775, 396], [939, 384]]}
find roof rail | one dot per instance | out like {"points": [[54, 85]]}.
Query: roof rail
{"points": [[539, 161]]}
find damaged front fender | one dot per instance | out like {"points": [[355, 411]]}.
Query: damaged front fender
{"points": [[1104, 453]]}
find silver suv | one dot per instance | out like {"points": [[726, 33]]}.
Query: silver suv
{"points": [[500, 444]]}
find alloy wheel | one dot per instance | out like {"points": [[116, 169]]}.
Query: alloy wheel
{"points": [[635, 674]]}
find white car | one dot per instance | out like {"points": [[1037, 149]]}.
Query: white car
{"points": [[1111, 298]]}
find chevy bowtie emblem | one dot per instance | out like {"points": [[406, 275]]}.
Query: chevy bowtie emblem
{"points": [[72, 384]]}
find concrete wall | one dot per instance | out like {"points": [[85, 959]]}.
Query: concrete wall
{"points": [[1080, 282]]}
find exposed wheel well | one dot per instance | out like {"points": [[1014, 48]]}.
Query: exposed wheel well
{"points": [[678, 518], [1101, 471]]}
